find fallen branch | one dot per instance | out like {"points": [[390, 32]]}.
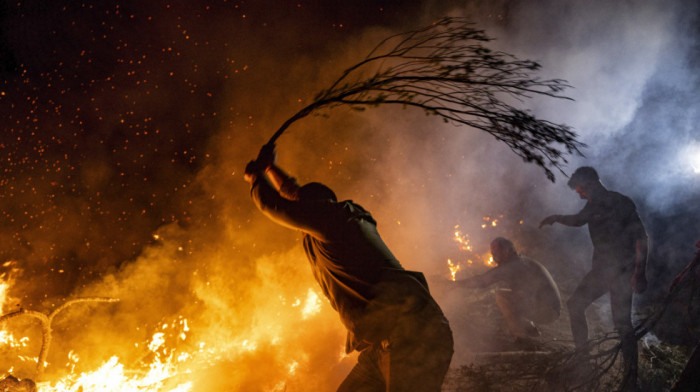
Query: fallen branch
{"points": [[46, 322]]}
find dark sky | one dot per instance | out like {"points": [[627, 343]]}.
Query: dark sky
{"points": [[127, 121]]}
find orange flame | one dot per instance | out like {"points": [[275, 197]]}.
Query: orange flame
{"points": [[453, 269]]}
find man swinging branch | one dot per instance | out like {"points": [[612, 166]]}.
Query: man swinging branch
{"points": [[404, 340]]}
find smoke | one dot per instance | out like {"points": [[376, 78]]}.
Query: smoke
{"points": [[129, 183]]}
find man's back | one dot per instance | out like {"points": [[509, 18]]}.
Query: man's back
{"points": [[614, 224]]}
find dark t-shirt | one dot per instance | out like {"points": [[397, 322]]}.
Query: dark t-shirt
{"points": [[354, 268], [614, 226]]}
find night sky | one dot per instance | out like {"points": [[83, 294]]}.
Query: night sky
{"points": [[124, 121]]}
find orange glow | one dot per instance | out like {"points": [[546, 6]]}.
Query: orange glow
{"points": [[220, 347]]}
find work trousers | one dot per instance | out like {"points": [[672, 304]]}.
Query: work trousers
{"points": [[415, 358], [593, 286]]}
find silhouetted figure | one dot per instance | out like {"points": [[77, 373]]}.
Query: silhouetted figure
{"points": [[528, 294], [619, 261], [404, 339]]}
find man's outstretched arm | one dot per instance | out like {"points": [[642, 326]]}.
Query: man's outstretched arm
{"points": [[484, 280], [566, 220]]}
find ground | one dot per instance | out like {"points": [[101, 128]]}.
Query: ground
{"points": [[487, 358]]}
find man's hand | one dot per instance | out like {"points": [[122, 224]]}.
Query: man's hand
{"points": [[639, 282], [549, 220], [267, 156], [252, 171]]}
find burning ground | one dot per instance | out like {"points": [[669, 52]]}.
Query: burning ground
{"points": [[127, 126]]}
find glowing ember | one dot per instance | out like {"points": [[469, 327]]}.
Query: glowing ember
{"points": [[462, 240], [454, 269], [489, 261]]}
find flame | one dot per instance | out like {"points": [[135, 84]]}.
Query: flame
{"points": [[4, 287], [462, 240], [454, 269], [160, 375], [465, 245], [312, 305], [270, 331], [175, 360]]}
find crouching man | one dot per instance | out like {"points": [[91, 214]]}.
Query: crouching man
{"points": [[528, 295]]}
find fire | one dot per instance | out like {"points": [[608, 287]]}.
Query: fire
{"points": [[465, 245], [453, 269], [4, 286], [462, 240], [252, 324], [490, 222], [8, 339], [163, 374], [489, 262], [312, 305]]}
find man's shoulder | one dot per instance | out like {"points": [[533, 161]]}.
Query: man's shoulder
{"points": [[530, 262], [354, 210], [615, 195], [619, 200]]}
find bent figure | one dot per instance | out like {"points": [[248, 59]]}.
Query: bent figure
{"points": [[619, 261], [404, 340], [529, 295]]}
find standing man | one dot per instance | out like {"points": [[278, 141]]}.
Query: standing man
{"points": [[529, 294], [619, 261], [404, 340]]}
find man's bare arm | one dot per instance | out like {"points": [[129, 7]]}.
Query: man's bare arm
{"points": [[283, 182], [266, 162], [566, 220]]}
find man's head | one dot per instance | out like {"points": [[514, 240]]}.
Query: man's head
{"points": [[584, 180], [316, 191], [502, 250]]}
